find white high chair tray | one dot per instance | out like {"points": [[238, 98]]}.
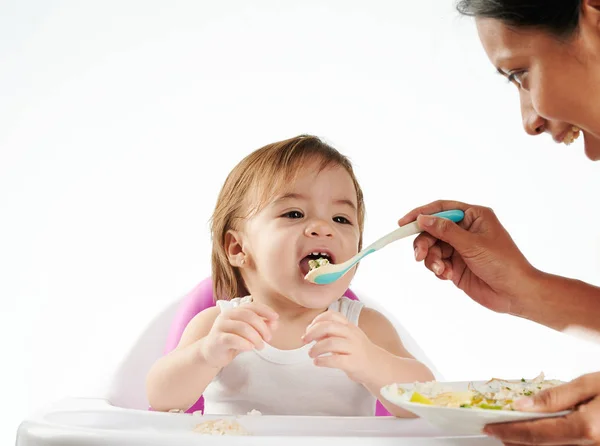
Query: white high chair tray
{"points": [[96, 422]]}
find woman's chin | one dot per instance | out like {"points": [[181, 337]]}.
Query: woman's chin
{"points": [[591, 145]]}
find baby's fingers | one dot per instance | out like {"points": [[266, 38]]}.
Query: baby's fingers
{"points": [[243, 330], [263, 311], [237, 343], [248, 316], [323, 329], [330, 315], [331, 346]]}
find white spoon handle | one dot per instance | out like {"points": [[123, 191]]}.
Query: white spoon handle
{"points": [[401, 232]]}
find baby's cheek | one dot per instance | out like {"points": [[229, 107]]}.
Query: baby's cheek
{"points": [[280, 263]]}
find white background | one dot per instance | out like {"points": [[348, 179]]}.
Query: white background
{"points": [[120, 120]]}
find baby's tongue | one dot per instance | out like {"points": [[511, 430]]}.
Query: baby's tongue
{"points": [[304, 266]]}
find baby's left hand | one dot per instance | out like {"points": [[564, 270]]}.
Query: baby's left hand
{"points": [[349, 347]]}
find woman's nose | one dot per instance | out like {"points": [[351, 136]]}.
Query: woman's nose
{"points": [[533, 123]]}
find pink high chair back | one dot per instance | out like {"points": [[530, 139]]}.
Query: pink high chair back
{"points": [[199, 299]]}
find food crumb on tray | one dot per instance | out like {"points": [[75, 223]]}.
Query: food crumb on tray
{"points": [[224, 427]]}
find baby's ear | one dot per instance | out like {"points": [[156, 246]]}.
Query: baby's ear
{"points": [[234, 248]]}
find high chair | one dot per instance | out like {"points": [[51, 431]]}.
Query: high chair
{"points": [[201, 297], [120, 415]]}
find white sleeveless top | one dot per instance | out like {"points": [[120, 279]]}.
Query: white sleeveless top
{"points": [[286, 382]]}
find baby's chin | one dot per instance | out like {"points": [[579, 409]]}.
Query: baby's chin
{"points": [[315, 301], [305, 293], [315, 296]]}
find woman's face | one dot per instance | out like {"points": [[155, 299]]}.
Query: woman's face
{"points": [[558, 80]]}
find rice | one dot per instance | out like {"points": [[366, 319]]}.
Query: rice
{"points": [[220, 427], [223, 426]]}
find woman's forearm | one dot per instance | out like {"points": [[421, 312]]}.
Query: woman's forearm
{"points": [[559, 302]]}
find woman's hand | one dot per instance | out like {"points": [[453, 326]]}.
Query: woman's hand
{"points": [[582, 426], [477, 254]]}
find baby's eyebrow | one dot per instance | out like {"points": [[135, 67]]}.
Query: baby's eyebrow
{"points": [[296, 196], [346, 202], [289, 196]]}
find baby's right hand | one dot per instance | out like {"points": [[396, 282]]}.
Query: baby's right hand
{"points": [[238, 330]]}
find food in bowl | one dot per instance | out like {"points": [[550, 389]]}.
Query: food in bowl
{"points": [[495, 394]]}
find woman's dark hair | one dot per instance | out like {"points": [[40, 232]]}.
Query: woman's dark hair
{"points": [[559, 17]]}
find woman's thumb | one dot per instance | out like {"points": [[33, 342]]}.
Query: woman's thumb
{"points": [[447, 231], [562, 397]]}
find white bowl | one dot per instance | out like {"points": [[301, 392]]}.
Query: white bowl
{"points": [[457, 421]]}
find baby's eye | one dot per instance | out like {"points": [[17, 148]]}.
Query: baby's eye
{"points": [[342, 220], [293, 214]]}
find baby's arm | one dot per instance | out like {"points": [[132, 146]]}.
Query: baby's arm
{"points": [[393, 363], [178, 379], [210, 341]]}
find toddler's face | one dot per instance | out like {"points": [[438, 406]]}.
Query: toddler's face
{"points": [[316, 213]]}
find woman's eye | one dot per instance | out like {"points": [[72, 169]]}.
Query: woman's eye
{"points": [[293, 214], [342, 220], [519, 78]]}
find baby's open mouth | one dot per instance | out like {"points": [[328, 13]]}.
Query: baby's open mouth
{"points": [[314, 260]]}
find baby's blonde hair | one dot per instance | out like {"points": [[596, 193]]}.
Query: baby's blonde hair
{"points": [[255, 181]]}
